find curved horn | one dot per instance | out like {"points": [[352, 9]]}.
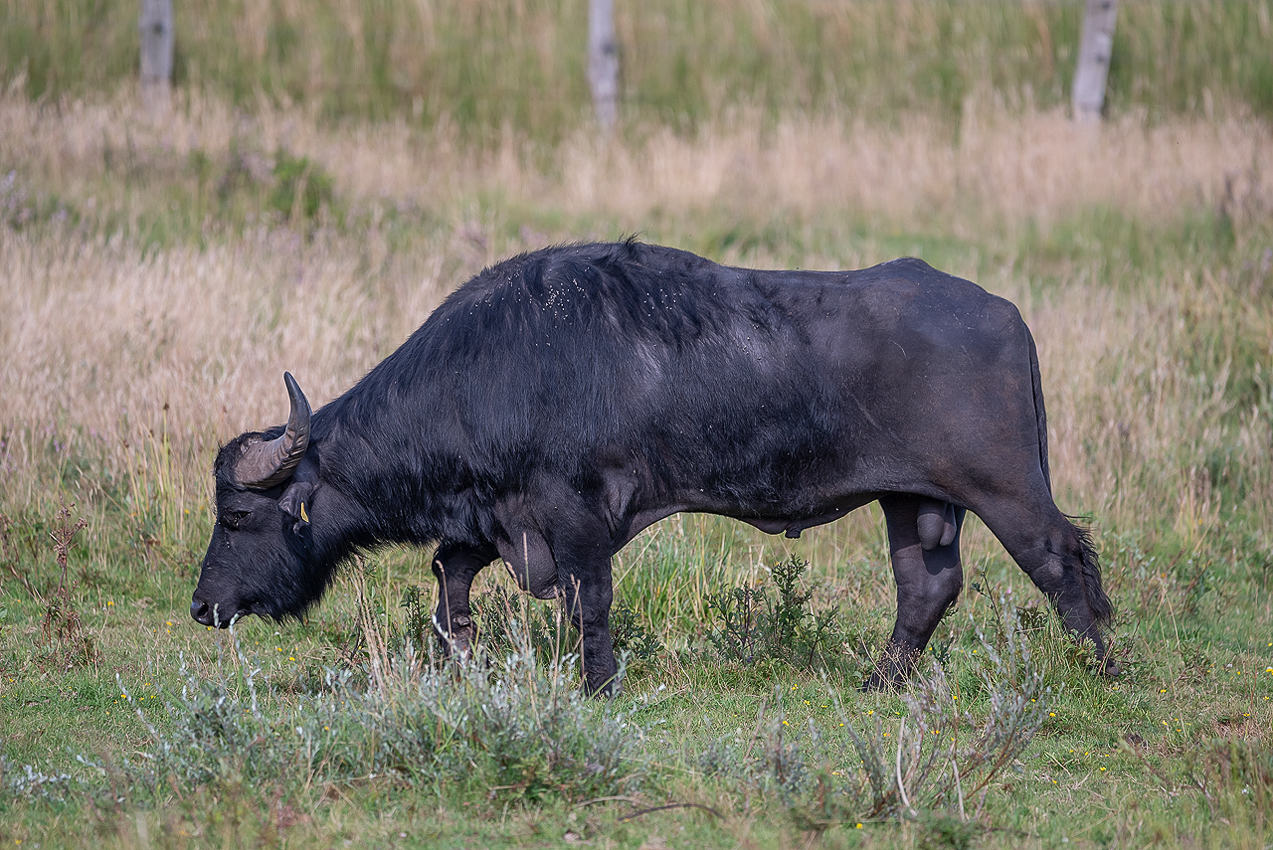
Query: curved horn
{"points": [[266, 463]]}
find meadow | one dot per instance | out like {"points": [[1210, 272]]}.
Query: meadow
{"points": [[290, 211]]}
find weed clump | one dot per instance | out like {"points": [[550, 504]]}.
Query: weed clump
{"points": [[630, 634], [61, 626], [750, 625], [933, 761]]}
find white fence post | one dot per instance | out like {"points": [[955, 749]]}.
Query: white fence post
{"points": [[1094, 55], [155, 25], [603, 62]]}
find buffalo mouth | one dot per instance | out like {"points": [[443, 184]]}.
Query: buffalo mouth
{"points": [[215, 615]]}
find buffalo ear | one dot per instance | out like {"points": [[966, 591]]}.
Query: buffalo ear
{"points": [[295, 502]]}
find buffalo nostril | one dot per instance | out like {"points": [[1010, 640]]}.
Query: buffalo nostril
{"points": [[201, 613]]}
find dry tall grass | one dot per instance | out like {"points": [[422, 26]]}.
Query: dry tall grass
{"points": [[998, 167], [145, 358]]}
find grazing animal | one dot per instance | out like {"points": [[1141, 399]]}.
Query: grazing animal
{"points": [[565, 399]]}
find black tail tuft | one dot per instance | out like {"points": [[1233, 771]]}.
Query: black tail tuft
{"points": [[1090, 575]]}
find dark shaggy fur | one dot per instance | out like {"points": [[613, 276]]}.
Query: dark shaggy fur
{"points": [[563, 400]]}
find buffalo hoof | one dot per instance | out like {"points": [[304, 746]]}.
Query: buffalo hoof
{"points": [[892, 669], [456, 644], [608, 689], [881, 683]]}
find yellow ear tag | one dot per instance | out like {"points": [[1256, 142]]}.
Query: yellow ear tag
{"points": [[304, 517]]}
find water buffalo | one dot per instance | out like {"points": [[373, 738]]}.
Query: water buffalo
{"points": [[565, 399]]}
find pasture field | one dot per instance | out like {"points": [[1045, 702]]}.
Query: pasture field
{"points": [[157, 275]]}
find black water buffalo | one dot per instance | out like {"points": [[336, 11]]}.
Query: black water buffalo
{"points": [[563, 400]]}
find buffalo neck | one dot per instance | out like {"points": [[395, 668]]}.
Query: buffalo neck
{"points": [[387, 471]]}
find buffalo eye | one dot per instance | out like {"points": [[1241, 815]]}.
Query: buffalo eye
{"points": [[231, 519]]}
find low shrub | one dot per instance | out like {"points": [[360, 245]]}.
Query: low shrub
{"points": [[749, 624], [510, 726], [507, 727]]}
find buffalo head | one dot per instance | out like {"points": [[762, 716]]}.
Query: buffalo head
{"points": [[259, 559]]}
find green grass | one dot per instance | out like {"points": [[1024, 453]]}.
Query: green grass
{"points": [[1184, 731]]}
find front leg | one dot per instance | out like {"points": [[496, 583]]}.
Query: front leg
{"points": [[581, 549], [456, 565], [586, 603], [586, 599]]}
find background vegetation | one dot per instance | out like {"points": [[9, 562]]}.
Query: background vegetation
{"points": [[327, 172], [487, 65]]}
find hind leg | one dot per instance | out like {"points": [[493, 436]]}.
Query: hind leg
{"points": [[928, 582], [455, 566], [1059, 558]]}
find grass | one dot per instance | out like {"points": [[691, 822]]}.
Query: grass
{"points": [[160, 276]]}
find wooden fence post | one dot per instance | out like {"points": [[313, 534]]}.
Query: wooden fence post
{"points": [[1094, 55], [603, 62], [155, 26]]}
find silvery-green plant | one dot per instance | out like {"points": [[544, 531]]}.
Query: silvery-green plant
{"points": [[935, 758], [508, 726]]}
